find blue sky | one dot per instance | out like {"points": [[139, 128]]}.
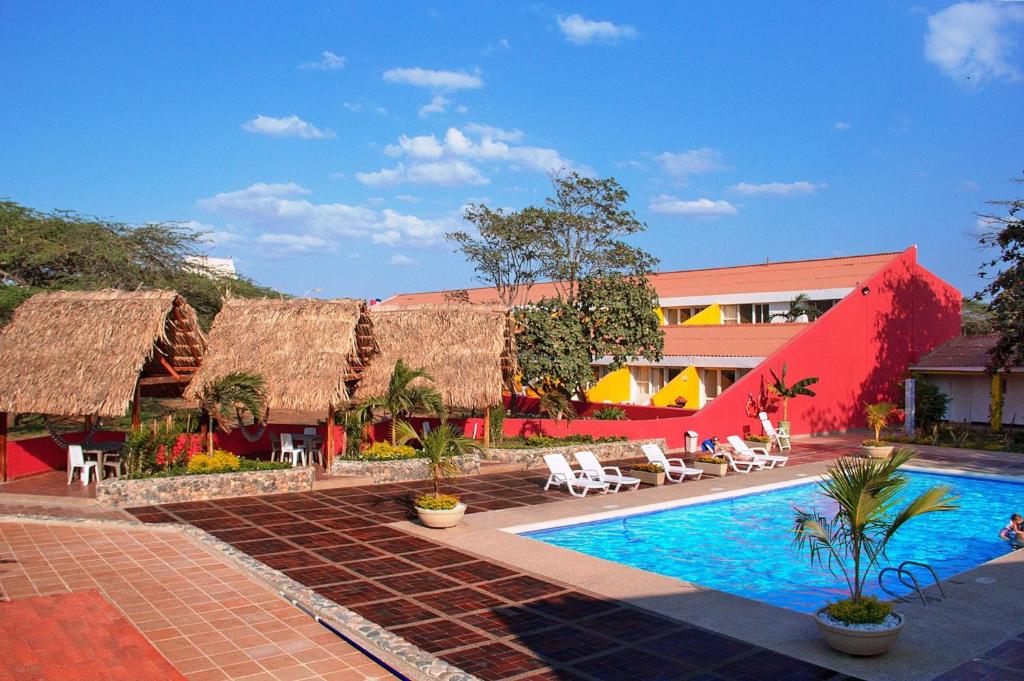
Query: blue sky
{"points": [[329, 146]]}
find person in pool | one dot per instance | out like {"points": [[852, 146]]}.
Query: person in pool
{"points": [[1014, 531]]}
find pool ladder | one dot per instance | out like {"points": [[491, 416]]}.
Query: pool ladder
{"points": [[903, 574]]}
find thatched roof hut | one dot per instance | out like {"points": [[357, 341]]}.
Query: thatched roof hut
{"points": [[82, 353], [309, 352], [468, 349]]}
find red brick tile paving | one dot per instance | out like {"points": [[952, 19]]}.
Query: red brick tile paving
{"points": [[205, 616], [75, 636]]}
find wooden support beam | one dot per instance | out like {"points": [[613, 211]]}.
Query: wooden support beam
{"points": [[162, 380], [136, 408], [167, 365], [487, 428], [3, 446], [329, 440], [88, 424]]}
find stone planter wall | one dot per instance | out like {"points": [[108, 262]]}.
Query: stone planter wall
{"points": [[606, 451], [148, 491], [401, 470]]}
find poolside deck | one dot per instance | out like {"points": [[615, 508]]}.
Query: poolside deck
{"points": [[482, 604]]}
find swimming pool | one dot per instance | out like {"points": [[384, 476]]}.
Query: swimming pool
{"points": [[743, 544]]}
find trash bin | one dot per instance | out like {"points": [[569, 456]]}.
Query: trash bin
{"points": [[691, 442]]}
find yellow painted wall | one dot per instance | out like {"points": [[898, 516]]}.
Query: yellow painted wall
{"points": [[712, 314], [686, 384], [613, 387], [661, 315]]}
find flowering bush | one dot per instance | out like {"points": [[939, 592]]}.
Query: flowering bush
{"points": [[218, 462], [707, 458], [385, 451], [180, 452], [648, 467]]}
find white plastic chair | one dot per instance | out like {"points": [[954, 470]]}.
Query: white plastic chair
{"points": [[777, 435], [756, 453], [112, 460], [576, 481], [676, 470], [743, 465], [290, 451], [76, 461], [314, 452], [609, 474]]}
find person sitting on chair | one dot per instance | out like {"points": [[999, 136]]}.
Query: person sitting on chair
{"points": [[1014, 531], [709, 445]]}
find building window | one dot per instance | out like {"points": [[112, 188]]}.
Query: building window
{"points": [[822, 306], [755, 313], [730, 314], [678, 315]]}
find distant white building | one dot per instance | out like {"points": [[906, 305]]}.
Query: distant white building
{"points": [[224, 267]]}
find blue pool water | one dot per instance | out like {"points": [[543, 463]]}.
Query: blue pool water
{"points": [[743, 545]]}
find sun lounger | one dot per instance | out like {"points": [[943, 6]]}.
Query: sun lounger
{"points": [[609, 474], [576, 481], [740, 465], [676, 470], [757, 453], [777, 435]]}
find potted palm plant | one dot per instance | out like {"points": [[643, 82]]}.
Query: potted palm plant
{"points": [[439, 447], [788, 392], [853, 543], [879, 415]]}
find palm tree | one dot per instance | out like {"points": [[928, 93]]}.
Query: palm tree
{"points": [[799, 388], [556, 404], [223, 397], [439, 447], [879, 415], [800, 306], [409, 391], [866, 491]]}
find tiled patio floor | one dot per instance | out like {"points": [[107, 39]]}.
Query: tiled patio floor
{"points": [[1005, 662], [207, 618], [488, 619], [75, 637]]}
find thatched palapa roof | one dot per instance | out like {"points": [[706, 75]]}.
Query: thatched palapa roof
{"points": [[308, 351], [80, 353], [468, 349]]}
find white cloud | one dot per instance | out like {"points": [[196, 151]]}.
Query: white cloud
{"points": [[502, 44], [286, 218], [328, 61], [438, 104], [698, 208], [692, 162], [778, 188], [974, 41], [448, 173], [435, 80], [289, 126], [842, 126], [401, 260], [582, 31], [494, 133], [354, 107], [408, 198]]}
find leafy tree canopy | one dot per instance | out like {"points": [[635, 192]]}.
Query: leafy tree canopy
{"points": [[64, 250], [1005, 274], [976, 317]]}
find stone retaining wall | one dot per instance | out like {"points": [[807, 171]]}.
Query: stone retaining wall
{"points": [[605, 451], [147, 491], [400, 470]]}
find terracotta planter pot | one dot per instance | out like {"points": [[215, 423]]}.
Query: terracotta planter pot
{"points": [[858, 642], [715, 469], [648, 478], [441, 519], [877, 452]]}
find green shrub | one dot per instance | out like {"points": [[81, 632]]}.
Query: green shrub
{"points": [[436, 502], [497, 423], [874, 443], [610, 414], [539, 441], [865, 610], [218, 462], [385, 451]]}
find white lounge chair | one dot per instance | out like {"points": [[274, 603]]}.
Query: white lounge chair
{"points": [[76, 461], [576, 481], [742, 465], [777, 435], [757, 453], [610, 474], [676, 470]]}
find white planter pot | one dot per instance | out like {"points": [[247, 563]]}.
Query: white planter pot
{"points": [[859, 642], [715, 469], [877, 452], [441, 519]]}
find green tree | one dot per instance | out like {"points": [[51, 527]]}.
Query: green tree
{"points": [[220, 400], [552, 347], [409, 391], [506, 253], [866, 492], [1005, 274], [788, 392], [64, 250], [620, 319], [976, 317], [582, 234]]}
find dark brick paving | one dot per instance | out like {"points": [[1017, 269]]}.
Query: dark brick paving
{"points": [[488, 619], [1005, 662]]}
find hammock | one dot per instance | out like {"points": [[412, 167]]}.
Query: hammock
{"points": [[56, 437], [259, 431]]}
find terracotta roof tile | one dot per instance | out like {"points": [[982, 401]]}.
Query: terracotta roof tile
{"points": [[962, 351], [728, 340], [799, 275]]}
